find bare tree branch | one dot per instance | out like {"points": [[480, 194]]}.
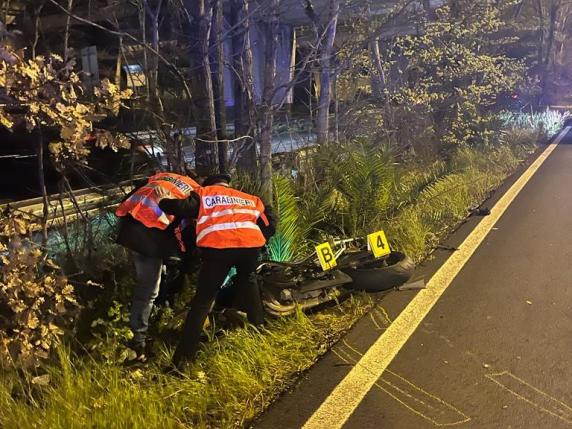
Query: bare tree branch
{"points": [[133, 39]]}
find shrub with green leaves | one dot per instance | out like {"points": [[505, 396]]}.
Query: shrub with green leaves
{"points": [[456, 67], [110, 335]]}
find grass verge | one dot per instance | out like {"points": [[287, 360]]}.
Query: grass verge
{"points": [[238, 375]]}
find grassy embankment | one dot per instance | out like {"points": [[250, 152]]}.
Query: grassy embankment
{"points": [[239, 374]]}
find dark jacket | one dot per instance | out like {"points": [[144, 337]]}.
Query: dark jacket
{"points": [[189, 208], [151, 242]]}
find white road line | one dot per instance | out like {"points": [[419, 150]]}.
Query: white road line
{"points": [[348, 394]]}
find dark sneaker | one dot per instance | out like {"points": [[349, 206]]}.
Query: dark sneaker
{"points": [[140, 350], [231, 318]]}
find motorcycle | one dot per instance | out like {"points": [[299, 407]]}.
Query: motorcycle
{"points": [[285, 286]]}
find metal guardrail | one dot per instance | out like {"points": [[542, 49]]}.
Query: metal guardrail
{"points": [[64, 208], [561, 107]]}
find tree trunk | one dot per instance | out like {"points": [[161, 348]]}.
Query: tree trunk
{"points": [[117, 79], [201, 86], [326, 52], [37, 16], [65, 229], [245, 108], [378, 80], [143, 24], [67, 32], [218, 85], [154, 98], [541, 30], [42, 184], [88, 232], [266, 108], [551, 32], [336, 111], [154, 63], [562, 36]]}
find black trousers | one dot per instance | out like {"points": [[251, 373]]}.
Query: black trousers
{"points": [[216, 263]]}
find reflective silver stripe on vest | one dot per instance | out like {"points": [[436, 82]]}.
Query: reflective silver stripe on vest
{"points": [[164, 219], [226, 227], [204, 218]]}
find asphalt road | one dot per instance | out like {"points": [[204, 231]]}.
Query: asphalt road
{"points": [[496, 349]]}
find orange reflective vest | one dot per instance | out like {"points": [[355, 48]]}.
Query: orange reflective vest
{"points": [[143, 204], [227, 219]]}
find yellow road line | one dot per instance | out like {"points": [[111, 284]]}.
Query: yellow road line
{"points": [[532, 395], [348, 394], [411, 396]]}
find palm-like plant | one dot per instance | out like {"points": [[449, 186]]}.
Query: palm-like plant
{"points": [[294, 225], [356, 185], [349, 189], [413, 182], [290, 238]]}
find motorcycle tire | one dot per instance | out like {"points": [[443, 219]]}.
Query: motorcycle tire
{"points": [[377, 275]]}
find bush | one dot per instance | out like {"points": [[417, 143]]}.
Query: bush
{"points": [[110, 335], [354, 184], [548, 122], [36, 300], [289, 242]]}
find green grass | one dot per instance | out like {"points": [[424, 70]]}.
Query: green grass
{"points": [[239, 374], [443, 196], [234, 378]]}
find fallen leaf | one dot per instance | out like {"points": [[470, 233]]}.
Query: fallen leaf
{"points": [[41, 380], [202, 377], [137, 374]]}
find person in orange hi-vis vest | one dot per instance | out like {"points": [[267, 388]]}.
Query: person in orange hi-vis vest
{"points": [[232, 228], [151, 236]]}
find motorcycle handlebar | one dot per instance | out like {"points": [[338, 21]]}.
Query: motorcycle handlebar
{"points": [[311, 258]]}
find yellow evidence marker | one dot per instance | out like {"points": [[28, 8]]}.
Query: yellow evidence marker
{"points": [[378, 244], [326, 256]]}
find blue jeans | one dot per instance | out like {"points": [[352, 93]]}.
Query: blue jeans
{"points": [[148, 274]]}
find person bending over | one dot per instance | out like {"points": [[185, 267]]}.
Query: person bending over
{"points": [[232, 228]]}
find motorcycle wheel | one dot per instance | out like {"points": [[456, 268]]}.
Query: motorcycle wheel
{"points": [[376, 275]]}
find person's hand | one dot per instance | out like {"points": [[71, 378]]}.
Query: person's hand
{"points": [[162, 193]]}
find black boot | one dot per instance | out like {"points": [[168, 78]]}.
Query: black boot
{"points": [[140, 349]]}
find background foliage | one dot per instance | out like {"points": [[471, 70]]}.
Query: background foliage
{"points": [[49, 91]]}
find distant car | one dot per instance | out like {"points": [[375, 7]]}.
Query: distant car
{"points": [[154, 152], [159, 155]]}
